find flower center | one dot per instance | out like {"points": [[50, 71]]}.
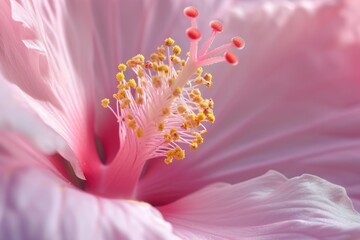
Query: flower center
{"points": [[158, 103]]}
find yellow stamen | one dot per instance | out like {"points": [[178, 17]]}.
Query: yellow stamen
{"points": [[139, 133], [122, 67], [105, 102], [120, 76], [169, 42]]}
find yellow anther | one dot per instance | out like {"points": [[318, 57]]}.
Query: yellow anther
{"points": [[162, 57], [120, 76], [132, 83], [166, 111], [139, 100], [155, 66], [186, 125], [181, 109], [167, 137], [201, 116], [191, 117], [179, 153], [105, 102], [209, 84], [199, 70], [175, 60], [161, 49], [168, 160], [122, 67], [139, 90], [139, 58], [183, 62], [121, 94], [204, 104], [169, 42], [140, 73], [139, 133], [176, 50], [195, 92], [163, 68], [174, 134], [198, 138], [193, 146], [177, 91], [170, 153], [120, 86], [199, 80], [130, 117], [154, 57], [131, 63], [132, 124], [156, 81], [197, 99], [211, 103], [207, 76], [211, 118], [161, 127], [125, 103]]}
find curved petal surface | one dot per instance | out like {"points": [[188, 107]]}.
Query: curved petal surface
{"points": [[267, 207], [292, 104], [37, 204], [17, 118]]}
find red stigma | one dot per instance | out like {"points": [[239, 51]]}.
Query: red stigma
{"points": [[193, 33], [238, 42], [231, 58], [191, 12], [216, 26]]}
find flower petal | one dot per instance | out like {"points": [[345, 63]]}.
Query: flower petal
{"points": [[49, 51], [292, 105], [267, 207], [15, 117], [36, 204]]}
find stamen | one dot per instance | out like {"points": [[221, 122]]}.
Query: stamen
{"points": [[162, 107]]}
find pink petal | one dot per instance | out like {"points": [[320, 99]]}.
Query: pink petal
{"points": [[292, 105], [15, 117], [267, 207], [58, 38], [36, 204]]}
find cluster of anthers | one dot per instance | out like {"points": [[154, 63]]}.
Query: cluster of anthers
{"points": [[162, 106]]}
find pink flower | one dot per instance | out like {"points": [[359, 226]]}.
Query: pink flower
{"points": [[291, 105]]}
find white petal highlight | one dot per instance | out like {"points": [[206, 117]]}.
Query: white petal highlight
{"points": [[267, 207], [35, 204], [14, 116]]}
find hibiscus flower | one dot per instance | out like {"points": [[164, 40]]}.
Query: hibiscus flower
{"points": [[290, 105]]}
